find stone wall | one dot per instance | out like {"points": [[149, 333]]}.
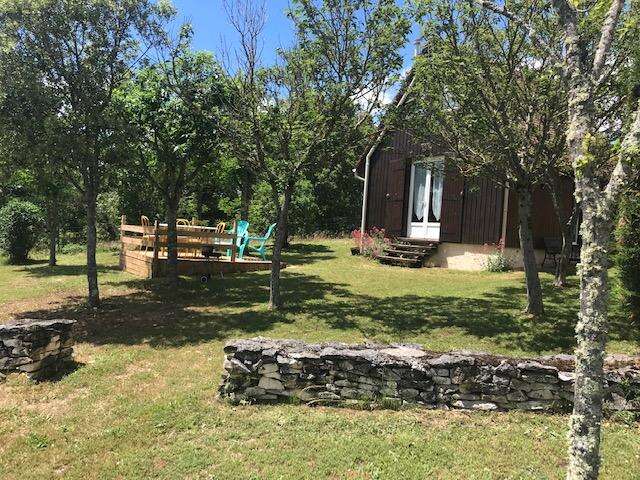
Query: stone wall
{"points": [[263, 370], [38, 348]]}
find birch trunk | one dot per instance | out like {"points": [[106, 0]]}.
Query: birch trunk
{"points": [[534, 290], [275, 298]]}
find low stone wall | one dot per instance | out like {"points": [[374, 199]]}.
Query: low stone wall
{"points": [[38, 348], [262, 370]]}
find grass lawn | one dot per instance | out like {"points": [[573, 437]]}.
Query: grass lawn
{"points": [[142, 402]]}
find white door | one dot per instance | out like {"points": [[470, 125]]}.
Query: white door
{"points": [[425, 206]]}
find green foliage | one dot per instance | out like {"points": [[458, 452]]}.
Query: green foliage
{"points": [[21, 224], [628, 254], [108, 214], [497, 262]]}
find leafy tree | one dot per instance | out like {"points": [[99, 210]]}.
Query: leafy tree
{"points": [[30, 131], [628, 255], [482, 89], [174, 108], [21, 224], [600, 54], [291, 115], [82, 50]]}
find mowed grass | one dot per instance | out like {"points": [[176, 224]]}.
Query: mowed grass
{"points": [[142, 402]]}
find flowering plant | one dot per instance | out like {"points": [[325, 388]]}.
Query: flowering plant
{"points": [[372, 242], [497, 261]]}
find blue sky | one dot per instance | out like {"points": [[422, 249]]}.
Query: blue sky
{"points": [[210, 26]]}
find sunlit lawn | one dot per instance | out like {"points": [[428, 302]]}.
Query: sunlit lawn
{"points": [[142, 402]]}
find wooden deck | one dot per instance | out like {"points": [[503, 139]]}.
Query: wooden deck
{"points": [[143, 251], [143, 264]]}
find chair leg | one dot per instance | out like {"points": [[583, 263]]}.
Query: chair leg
{"points": [[543, 261]]}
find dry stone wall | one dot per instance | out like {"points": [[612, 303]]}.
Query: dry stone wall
{"points": [[263, 370], [38, 348]]}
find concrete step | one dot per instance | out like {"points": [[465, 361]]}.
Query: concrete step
{"points": [[416, 248], [400, 261], [395, 252]]}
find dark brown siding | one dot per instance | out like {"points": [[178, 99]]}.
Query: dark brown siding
{"points": [[543, 217], [388, 183], [482, 212], [473, 216], [452, 205], [394, 196]]}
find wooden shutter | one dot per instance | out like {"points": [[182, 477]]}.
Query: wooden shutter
{"points": [[394, 197], [452, 204]]}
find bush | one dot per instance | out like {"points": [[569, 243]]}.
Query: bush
{"points": [[21, 224], [497, 261], [373, 242], [628, 252]]}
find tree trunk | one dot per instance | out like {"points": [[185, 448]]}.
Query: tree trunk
{"points": [[246, 193], [172, 240], [534, 290], [591, 331], [53, 231], [275, 298], [565, 222], [92, 238]]}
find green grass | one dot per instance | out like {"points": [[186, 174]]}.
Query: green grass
{"points": [[142, 402]]}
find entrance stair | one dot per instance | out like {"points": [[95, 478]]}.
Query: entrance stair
{"points": [[408, 252]]}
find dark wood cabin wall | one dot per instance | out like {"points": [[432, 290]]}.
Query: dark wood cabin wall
{"points": [[395, 153], [377, 185], [482, 212], [544, 221], [481, 204]]}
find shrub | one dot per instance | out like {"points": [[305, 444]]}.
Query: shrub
{"points": [[628, 252], [497, 261], [21, 224], [373, 242]]}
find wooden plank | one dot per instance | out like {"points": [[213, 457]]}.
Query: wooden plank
{"points": [[183, 231], [195, 245], [137, 229], [136, 241]]}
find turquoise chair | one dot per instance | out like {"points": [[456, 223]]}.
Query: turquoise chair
{"points": [[242, 238], [262, 248]]}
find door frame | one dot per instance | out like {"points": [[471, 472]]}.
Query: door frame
{"points": [[431, 230]]}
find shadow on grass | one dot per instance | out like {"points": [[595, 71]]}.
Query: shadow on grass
{"points": [[67, 369], [45, 270], [236, 306], [159, 316]]}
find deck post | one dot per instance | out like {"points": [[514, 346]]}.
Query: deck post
{"points": [[156, 243]]}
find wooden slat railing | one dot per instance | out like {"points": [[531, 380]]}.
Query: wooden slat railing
{"points": [[191, 239]]}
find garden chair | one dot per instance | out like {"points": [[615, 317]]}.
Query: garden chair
{"points": [[262, 247], [242, 234], [221, 227], [147, 240], [552, 248]]}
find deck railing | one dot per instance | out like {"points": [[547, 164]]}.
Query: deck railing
{"points": [[192, 241]]}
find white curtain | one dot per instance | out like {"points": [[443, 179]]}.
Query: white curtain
{"points": [[436, 197], [419, 186]]}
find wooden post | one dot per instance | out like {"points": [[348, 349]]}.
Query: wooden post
{"points": [[123, 221], [234, 241], [156, 242]]}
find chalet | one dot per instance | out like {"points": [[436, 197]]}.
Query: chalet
{"points": [[426, 205]]}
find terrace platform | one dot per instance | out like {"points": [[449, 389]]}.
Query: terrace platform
{"points": [[143, 264], [202, 251]]}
